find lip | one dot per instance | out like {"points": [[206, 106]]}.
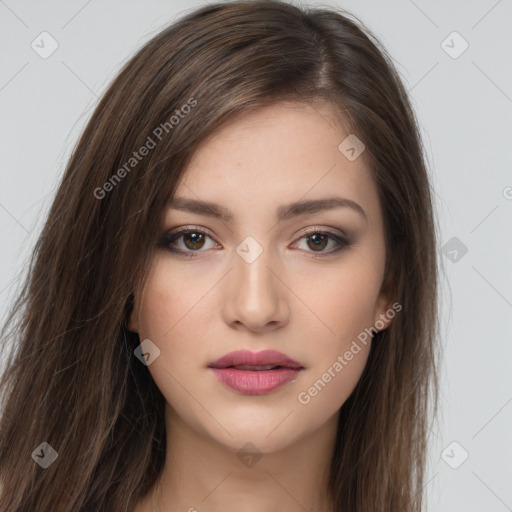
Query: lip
{"points": [[254, 381], [262, 358]]}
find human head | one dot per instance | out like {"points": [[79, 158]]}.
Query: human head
{"points": [[211, 66]]}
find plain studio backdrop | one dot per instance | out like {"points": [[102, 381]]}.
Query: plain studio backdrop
{"points": [[455, 58]]}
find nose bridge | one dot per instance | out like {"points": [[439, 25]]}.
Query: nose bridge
{"points": [[252, 262], [256, 297]]}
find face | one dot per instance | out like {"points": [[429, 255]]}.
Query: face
{"points": [[305, 283]]}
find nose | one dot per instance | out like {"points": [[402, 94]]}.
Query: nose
{"points": [[256, 297]]}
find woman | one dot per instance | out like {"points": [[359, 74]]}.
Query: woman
{"points": [[233, 301]]}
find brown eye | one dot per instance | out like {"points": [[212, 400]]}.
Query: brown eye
{"points": [[193, 240], [318, 241]]}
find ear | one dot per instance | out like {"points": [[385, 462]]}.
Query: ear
{"points": [[384, 305]]}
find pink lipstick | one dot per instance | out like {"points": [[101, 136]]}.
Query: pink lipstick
{"points": [[255, 373]]}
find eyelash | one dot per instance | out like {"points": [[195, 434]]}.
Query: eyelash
{"points": [[170, 238]]}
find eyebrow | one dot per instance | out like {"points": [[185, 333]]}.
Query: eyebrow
{"points": [[284, 212]]}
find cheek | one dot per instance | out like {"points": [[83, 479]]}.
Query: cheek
{"points": [[345, 306], [172, 316], [166, 303], [338, 366], [331, 386], [343, 303]]}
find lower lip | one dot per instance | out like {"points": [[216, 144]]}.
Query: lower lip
{"points": [[255, 382]]}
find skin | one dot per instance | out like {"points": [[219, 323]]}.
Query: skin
{"points": [[197, 309]]}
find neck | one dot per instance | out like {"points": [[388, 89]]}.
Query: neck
{"points": [[202, 474]]}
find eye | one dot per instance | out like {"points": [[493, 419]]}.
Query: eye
{"points": [[194, 239], [318, 240]]}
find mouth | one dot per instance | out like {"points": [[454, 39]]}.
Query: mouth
{"points": [[255, 373]]}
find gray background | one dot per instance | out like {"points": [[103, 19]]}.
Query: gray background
{"points": [[464, 105]]}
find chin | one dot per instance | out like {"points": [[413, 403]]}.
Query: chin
{"points": [[269, 432], [250, 439]]}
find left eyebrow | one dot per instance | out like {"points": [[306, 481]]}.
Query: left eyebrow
{"points": [[284, 212]]}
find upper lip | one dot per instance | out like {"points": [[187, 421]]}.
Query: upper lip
{"points": [[262, 358]]}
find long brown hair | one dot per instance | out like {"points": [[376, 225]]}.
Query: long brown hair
{"points": [[72, 379]]}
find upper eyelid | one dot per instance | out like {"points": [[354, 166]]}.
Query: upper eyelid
{"points": [[191, 228]]}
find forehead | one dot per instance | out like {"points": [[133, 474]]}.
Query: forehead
{"points": [[278, 154]]}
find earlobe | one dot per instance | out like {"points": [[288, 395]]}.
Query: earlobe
{"points": [[382, 321], [132, 323]]}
